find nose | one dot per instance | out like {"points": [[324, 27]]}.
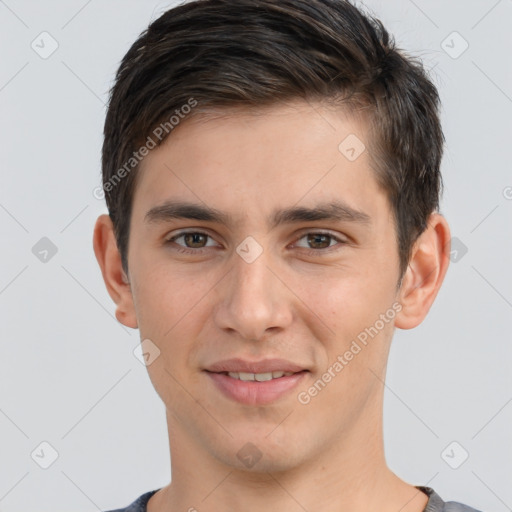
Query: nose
{"points": [[253, 299]]}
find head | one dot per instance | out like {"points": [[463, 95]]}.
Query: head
{"points": [[262, 111], [200, 57]]}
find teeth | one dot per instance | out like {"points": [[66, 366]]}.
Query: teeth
{"points": [[260, 377]]}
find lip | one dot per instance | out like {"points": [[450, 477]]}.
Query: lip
{"points": [[254, 392], [263, 366]]}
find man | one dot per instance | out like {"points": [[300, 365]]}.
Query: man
{"points": [[271, 170]]}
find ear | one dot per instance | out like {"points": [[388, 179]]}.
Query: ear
{"points": [[116, 281], [425, 273]]}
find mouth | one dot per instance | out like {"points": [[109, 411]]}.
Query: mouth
{"points": [[258, 377], [255, 387], [264, 366]]}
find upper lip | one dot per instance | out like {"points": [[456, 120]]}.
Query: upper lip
{"points": [[263, 366]]}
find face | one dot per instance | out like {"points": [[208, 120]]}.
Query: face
{"points": [[259, 244]]}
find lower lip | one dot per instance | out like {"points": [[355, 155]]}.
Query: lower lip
{"points": [[254, 392]]}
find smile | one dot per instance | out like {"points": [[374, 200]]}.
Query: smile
{"points": [[256, 388], [260, 377]]}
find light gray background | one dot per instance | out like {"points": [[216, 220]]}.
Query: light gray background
{"points": [[68, 375]]}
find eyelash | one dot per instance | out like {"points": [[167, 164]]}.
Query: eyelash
{"points": [[309, 252]]}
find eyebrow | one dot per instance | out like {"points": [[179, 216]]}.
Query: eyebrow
{"points": [[330, 211]]}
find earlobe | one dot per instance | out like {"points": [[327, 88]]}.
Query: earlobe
{"points": [[425, 273], [116, 281]]}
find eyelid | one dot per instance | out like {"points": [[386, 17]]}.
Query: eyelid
{"points": [[318, 231]]}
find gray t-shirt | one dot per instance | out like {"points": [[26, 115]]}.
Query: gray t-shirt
{"points": [[435, 503]]}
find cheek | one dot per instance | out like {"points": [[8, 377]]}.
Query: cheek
{"points": [[172, 309], [350, 303], [164, 296], [170, 313], [357, 345]]}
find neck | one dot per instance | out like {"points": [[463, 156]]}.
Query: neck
{"points": [[350, 474]]}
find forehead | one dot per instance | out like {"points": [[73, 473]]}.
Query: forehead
{"points": [[250, 162]]}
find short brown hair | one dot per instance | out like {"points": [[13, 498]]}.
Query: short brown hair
{"points": [[255, 53]]}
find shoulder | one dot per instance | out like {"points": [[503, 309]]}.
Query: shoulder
{"points": [[139, 505], [436, 503], [455, 506]]}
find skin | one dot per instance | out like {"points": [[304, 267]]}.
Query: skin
{"points": [[288, 303]]}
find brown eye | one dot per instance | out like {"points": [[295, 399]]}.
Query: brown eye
{"points": [[195, 240], [319, 240], [191, 240], [319, 243]]}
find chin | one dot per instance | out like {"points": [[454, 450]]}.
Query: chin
{"points": [[257, 453], [265, 465]]}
